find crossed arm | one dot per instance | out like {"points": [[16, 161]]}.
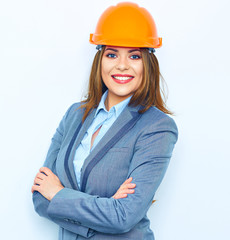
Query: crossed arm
{"points": [[48, 184], [110, 215], [82, 213]]}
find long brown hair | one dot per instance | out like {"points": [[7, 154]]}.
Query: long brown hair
{"points": [[148, 94]]}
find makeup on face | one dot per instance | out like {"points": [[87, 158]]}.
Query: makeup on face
{"points": [[122, 70]]}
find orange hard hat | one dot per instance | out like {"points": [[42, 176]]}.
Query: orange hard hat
{"points": [[126, 25]]}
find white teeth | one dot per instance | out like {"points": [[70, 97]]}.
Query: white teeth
{"points": [[122, 78]]}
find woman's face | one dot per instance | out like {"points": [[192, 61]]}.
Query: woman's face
{"points": [[121, 70]]}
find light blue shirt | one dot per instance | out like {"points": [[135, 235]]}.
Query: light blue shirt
{"points": [[102, 118]]}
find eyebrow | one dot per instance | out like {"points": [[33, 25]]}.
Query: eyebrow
{"points": [[115, 50]]}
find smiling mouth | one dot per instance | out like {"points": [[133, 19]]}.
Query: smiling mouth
{"points": [[122, 78]]}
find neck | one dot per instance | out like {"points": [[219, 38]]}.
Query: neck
{"points": [[112, 100]]}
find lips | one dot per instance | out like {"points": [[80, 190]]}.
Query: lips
{"points": [[122, 78]]}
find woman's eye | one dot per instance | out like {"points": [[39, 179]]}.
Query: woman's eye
{"points": [[135, 57], [111, 55]]}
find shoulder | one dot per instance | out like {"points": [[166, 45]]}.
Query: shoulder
{"points": [[156, 120], [74, 111]]}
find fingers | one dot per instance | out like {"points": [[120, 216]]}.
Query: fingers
{"points": [[45, 170], [123, 193], [37, 181], [40, 176], [127, 184], [126, 188], [35, 188], [126, 191], [118, 196], [129, 180]]}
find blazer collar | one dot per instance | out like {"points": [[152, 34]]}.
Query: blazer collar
{"points": [[124, 122], [121, 126], [74, 143]]}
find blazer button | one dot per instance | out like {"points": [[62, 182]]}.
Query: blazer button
{"points": [[75, 222]]}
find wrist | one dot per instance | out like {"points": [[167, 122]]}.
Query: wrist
{"points": [[58, 189]]}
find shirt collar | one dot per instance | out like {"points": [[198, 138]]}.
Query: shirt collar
{"points": [[118, 108]]}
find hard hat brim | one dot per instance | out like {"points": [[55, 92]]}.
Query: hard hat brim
{"points": [[151, 43]]}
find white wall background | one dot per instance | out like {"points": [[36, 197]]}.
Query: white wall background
{"points": [[45, 60]]}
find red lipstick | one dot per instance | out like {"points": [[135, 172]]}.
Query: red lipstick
{"points": [[122, 78]]}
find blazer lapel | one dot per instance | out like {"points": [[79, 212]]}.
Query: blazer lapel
{"points": [[121, 126], [75, 141]]}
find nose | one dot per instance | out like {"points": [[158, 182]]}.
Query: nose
{"points": [[122, 64]]}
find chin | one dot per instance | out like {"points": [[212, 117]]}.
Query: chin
{"points": [[122, 93]]}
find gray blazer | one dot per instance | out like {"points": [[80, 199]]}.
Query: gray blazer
{"points": [[137, 145]]}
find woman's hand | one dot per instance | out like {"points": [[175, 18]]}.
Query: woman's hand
{"points": [[125, 189], [47, 183]]}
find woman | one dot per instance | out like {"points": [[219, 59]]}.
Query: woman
{"points": [[110, 152]]}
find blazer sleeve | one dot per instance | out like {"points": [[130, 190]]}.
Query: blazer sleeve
{"points": [[150, 160], [40, 203]]}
